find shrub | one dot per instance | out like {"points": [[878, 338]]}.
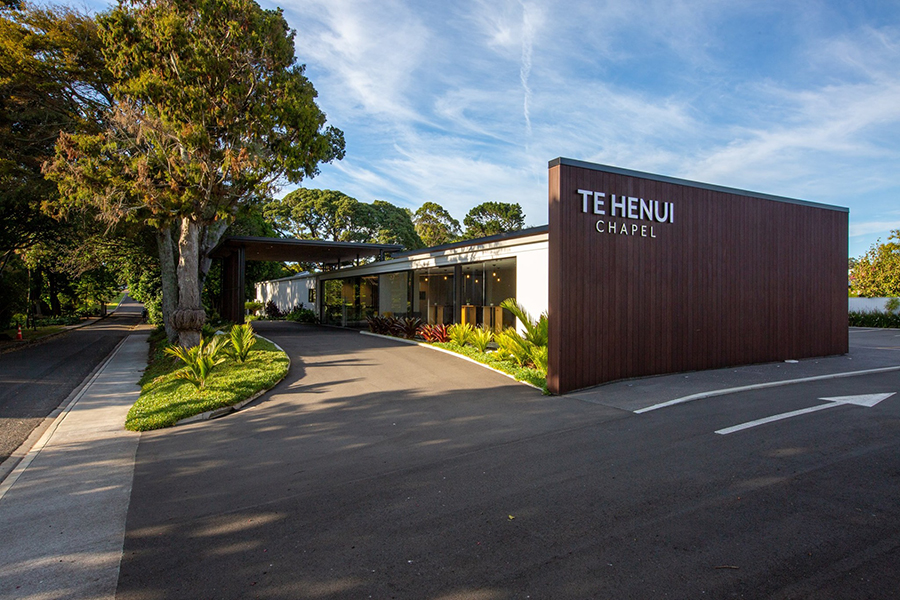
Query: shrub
{"points": [[241, 339], [536, 332], [272, 310], [253, 307], [512, 345], [434, 333], [382, 325], [480, 338], [874, 319], [199, 361], [407, 327], [301, 315], [539, 356], [460, 333]]}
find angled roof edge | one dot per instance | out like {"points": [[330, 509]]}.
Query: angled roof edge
{"points": [[688, 183]]}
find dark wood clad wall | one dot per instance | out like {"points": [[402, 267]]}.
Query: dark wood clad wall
{"points": [[734, 280]]}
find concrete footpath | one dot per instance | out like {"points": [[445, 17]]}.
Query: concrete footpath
{"points": [[63, 507]]}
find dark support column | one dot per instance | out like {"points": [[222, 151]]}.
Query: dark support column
{"points": [[457, 293], [233, 286]]}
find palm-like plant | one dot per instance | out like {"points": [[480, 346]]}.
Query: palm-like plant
{"points": [[460, 333], [199, 360], [242, 339], [536, 331], [480, 338], [511, 344]]}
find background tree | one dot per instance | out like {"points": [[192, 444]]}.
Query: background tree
{"points": [[332, 215], [311, 214], [210, 113], [491, 218], [876, 274], [435, 225], [389, 224]]}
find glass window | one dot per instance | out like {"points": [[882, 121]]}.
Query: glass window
{"points": [[484, 286], [436, 294], [393, 294], [349, 301]]}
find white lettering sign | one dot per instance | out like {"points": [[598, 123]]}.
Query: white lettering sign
{"points": [[626, 207]]}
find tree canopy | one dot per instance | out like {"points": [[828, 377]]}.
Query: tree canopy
{"points": [[491, 218], [435, 225], [876, 274], [51, 79], [332, 215], [209, 113]]}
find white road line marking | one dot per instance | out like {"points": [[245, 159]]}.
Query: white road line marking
{"points": [[787, 415], [760, 386]]}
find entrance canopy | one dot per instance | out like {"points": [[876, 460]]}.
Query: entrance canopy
{"points": [[237, 250]]}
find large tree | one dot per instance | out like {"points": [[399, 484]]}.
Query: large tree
{"points": [[51, 80], [491, 218], [435, 225], [210, 113], [876, 274]]}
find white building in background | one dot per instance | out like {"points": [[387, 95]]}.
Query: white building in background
{"points": [[289, 292], [460, 282]]}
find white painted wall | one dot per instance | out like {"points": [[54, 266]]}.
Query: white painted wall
{"points": [[532, 278], [288, 292], [867, 304]]}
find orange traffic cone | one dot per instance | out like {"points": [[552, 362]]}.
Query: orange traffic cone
{"points": [[19, 332]]}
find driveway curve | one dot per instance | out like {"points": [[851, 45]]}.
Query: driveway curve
{"points": [[309, 492], [379, 469]]}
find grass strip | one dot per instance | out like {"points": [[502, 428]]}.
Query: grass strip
{"points": [[32, 334], [165, 399], [510, 367]]}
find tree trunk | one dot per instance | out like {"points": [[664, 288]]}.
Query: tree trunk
{"points": [[169, 276], [53, 281], [189, 317], [211, 236]]}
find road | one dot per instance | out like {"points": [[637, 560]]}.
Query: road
{"points": [[382, 470], [36, 378]]}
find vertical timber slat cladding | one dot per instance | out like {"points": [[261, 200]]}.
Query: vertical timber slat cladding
{"points": [[715, 277]]}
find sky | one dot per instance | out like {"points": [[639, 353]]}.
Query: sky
{"points": [[467, 101]]}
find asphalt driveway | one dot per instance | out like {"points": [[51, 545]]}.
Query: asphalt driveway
{"points": [[382, 470]]}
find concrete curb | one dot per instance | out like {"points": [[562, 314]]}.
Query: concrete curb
{"points": [[227, 410], [451, 353]]}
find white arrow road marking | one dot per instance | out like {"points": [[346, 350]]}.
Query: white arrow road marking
{"points": [[868, 400]]}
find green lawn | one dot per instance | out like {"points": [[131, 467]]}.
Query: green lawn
{"points": [[165, 399], [30, 334]]}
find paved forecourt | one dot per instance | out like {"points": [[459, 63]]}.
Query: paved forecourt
{"points": [[383, 469]]}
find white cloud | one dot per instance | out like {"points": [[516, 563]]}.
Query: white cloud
{"points": [[370, 53]]}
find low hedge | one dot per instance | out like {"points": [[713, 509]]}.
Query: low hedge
{"points": [[874, 319]]}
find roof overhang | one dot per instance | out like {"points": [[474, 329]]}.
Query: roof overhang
{"points": [[294, 250]]}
